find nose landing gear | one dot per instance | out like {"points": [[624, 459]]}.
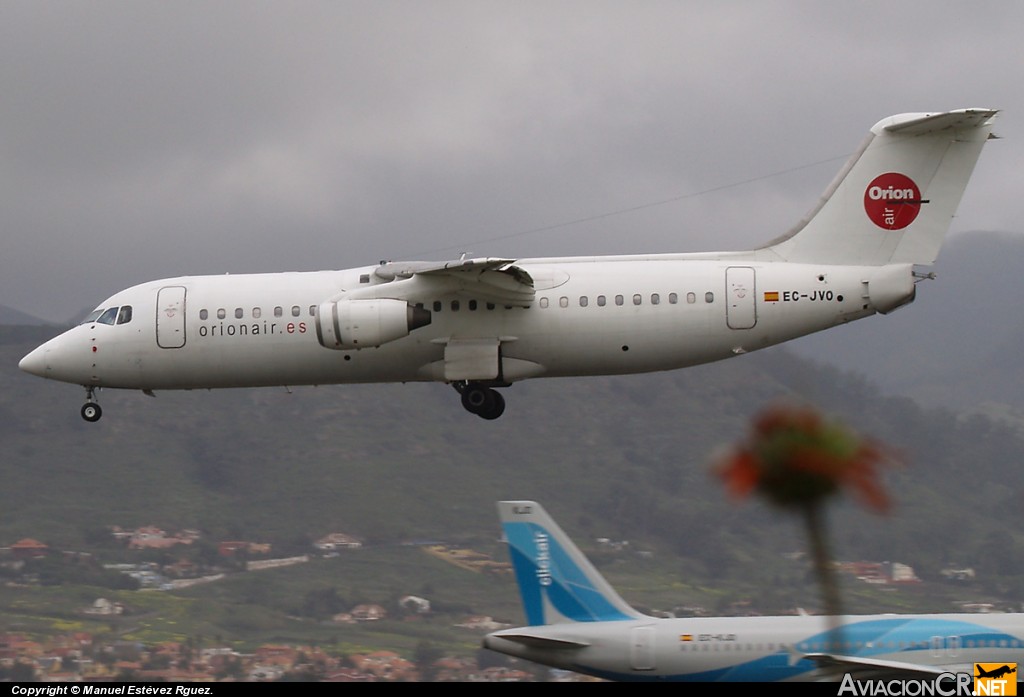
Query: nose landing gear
{"points": [[481, 400], [91, 410]]}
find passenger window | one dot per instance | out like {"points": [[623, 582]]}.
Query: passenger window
{"points": [[455, 305], [583, 301], [204, 313], [312, 310], [125, 315], [256, 313], [238, 313], [93, 316], [655, 299], [563, 301], [673, 298], [691, 298], [437, 306], [296, 310], [108, 316], [709, 297], [619, 300], [637, 299], [221, 313], [600, 301], [472, 304], [278, 311], [490, 306], [543, 303]]}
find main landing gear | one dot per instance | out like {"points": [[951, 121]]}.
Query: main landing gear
{"points": [[91, 411], [477, 398]]}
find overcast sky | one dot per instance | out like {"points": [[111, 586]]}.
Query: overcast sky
{"points": [[142, 140]]}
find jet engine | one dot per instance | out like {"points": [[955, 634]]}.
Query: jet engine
{"points": [[355, 324]]}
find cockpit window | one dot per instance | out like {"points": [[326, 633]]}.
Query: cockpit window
{"points": [[111, 315], [108, 316], [92, 316]]}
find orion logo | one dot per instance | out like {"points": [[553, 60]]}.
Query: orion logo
{"points": [[543, 559], [892, 201]]}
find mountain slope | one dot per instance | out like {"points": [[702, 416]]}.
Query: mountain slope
{"points": [[625, 457]]}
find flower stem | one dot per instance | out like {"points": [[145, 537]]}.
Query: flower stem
{"points": [[824, 569]]}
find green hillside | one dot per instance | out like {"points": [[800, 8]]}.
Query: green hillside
{"points": [[624, 458]]}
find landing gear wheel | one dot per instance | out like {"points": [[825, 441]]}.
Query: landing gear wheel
{"points": [[477, 399], [483, 401], [496, 409], [91, 412]]}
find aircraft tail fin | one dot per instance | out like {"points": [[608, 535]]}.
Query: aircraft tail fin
{"points": [[557, 583], [893, 201]]}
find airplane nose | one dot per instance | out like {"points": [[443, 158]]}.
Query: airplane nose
{"points": [[61, 358], [35, 362]]}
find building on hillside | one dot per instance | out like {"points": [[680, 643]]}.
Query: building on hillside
{"points": [[412, 603], [368, 613], [336, 541], [150, 537], [29, 549], [102, 606]]}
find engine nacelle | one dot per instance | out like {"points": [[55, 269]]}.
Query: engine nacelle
{"points": [[355, 324]]}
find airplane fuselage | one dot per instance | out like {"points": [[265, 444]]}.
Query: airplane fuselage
{"points": [[769, 648], [590, 316]]}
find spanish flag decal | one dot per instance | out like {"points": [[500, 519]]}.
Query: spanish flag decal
{"points": [[771, 296]]}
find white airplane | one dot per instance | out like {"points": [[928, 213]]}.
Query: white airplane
{"points": [[578, 622], [483, 323]]}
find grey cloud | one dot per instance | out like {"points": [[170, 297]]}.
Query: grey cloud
{"points": [[141, 140]]}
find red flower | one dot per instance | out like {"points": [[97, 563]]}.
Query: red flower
{"points": [[796, 458]]}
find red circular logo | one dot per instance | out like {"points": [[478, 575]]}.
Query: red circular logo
{"points": [[892, 201]]}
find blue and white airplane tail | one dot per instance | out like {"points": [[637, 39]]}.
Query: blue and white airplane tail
{"points": [[557, 583], [894, 200], [577, 622]]}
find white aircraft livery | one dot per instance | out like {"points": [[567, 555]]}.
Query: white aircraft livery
{"points": [[483, 323], [578, 622]]}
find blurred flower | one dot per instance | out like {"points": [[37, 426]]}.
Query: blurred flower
{"points": [[796, 458]]}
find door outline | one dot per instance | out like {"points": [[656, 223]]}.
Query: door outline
{"points": [[641, 648], [740, 292], [170, 317]]}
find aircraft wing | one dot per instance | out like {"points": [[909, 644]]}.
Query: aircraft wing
{"points": [[489, 279], [865, 668]]}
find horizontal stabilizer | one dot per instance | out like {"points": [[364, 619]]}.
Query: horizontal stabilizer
{"points": [[539, 642], [919, 124]]}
